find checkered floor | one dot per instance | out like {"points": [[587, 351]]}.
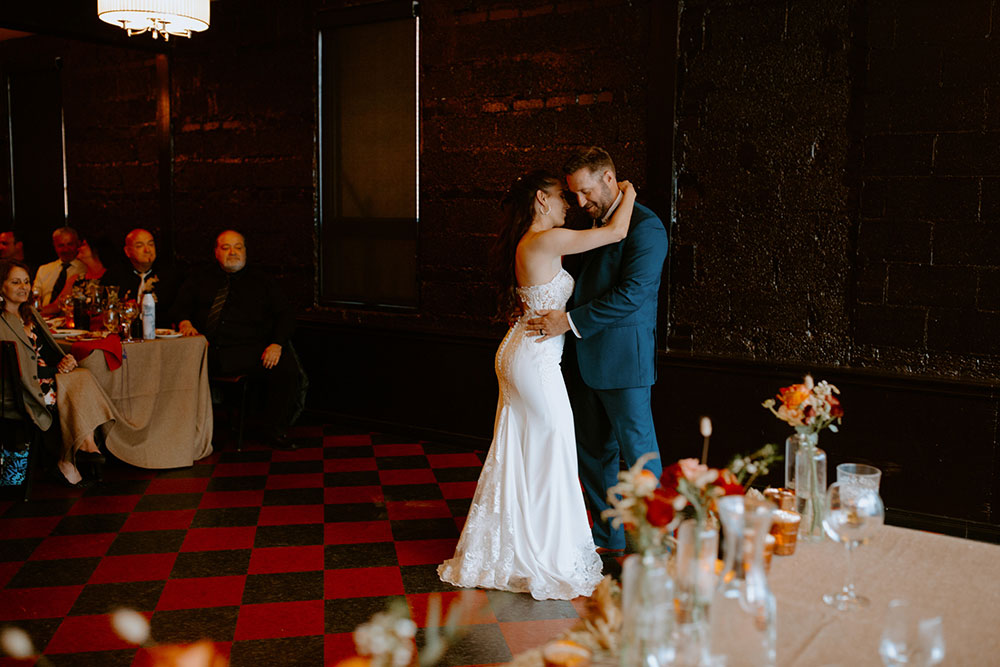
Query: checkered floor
{"points": [[275, 556]]}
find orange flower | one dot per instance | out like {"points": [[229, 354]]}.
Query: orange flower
{"points": [[793, 396]]}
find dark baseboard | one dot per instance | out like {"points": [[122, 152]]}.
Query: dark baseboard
{"points": [[935, 439], [972, 530]]}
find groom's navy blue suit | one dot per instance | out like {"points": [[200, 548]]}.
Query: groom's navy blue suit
{"points": [[614, 310]]}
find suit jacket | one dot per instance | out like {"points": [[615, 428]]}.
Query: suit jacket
{"points": [[256, 314], [614, 306], [11, 329], [164, 289], [47, 274]]}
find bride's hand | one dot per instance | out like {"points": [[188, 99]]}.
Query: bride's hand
{"points": [[627, 188]]}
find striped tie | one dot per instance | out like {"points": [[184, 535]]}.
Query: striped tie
{"points": [[212, 323]]}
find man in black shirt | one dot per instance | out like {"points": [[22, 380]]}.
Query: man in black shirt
{"points": [[248, 322], [144, 274]]}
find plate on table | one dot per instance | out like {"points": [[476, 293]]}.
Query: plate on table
{"points": [[66, 333], [87, 335], [167, 333], [55, 322]]}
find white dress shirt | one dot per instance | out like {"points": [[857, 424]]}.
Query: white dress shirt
{"points": [[47, 274]]}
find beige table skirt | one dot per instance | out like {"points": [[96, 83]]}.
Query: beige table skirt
{"points": [[155, 410]]}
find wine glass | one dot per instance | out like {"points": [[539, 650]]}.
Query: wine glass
{"points": [[129, 311], [907, 640], [110, 318], [854, 514]]}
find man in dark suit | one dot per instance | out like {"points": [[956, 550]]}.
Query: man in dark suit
{"points": [[248, 322], [611, 367], [142, 274]]}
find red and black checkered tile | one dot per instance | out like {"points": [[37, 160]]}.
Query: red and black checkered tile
{"points": [[275, 556]]}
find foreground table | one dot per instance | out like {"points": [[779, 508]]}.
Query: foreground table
{"points": [[155, 411], [956, 579]]}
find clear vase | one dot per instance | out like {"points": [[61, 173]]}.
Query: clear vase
{"points": [[647, 611], [743, 630], [694, 566], [808, 478]]}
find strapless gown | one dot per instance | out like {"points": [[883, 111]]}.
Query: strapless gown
{"points": [[527, 529]]}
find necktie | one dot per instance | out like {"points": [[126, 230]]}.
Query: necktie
{"points": [[214, 313], [60, 282]]}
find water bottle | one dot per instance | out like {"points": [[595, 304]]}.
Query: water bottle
{"points": [[148, 316]]}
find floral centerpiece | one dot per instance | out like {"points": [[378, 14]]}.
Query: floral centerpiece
{"points": [[809, 407], [651, 509]]}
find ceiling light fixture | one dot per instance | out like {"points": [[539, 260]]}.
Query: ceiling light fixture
{"points": [[163, 17]]}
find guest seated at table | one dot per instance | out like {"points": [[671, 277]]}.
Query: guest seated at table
{"points": [[143, 273], [40, 358], [51, 278], [11, 247], [248, 322], [90, 256]]}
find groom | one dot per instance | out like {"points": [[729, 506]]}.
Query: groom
{"points": [[612, 316]]}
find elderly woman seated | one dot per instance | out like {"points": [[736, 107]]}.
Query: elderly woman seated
{"points": [[40, 358]]}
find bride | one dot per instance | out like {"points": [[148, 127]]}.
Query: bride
{"points": [[527, 529]]}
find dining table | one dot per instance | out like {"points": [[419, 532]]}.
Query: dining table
{"points": [[937, 575], [154, 410]]}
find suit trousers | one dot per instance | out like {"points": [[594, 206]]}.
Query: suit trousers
{"points": [[611, 424], [282, 384]]}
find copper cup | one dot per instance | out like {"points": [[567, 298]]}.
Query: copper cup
{"points": [[783, 498], [785, 530]]}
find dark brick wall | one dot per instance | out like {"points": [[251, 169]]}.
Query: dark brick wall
{"points": [[838, 185], [506, 87], [761, 249], [109, 111], [928, 256], [243, 115]]}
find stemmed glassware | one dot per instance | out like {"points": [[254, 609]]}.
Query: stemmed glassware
{"points": [[854, 514], [109, 318], [129, 310]]}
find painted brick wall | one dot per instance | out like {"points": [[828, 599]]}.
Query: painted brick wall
{"points": [[837, 184], [928, 245]]}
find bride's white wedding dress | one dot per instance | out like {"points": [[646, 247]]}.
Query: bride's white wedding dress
{"points": [[527, 528]]}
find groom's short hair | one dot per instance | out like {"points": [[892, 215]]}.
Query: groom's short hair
{"points": [[593, 158]]}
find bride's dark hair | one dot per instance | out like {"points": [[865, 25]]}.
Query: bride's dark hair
{"points": [[518, 212]]}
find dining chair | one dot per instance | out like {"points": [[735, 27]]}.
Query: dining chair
{"points": [[16, 426]]}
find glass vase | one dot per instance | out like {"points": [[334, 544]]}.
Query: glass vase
{"points": [[743, 630], [647, 611], [810, 484], [694, 565]]}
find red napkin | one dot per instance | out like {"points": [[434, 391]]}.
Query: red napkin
{"points": [[110, 345]]}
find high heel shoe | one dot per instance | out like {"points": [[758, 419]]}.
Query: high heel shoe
{"points": [[56, 475], [90, 464]]}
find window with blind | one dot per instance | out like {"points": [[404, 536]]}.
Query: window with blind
{"points": [[369, 206]]}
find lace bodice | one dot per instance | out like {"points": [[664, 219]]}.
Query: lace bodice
{"points": [[552, 295]]}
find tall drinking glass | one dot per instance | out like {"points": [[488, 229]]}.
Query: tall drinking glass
{"points": [[859, 473], [854, 514], [910, 640]]}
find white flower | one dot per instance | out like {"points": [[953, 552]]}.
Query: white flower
{"points": [[130, 625], [16, 643]]}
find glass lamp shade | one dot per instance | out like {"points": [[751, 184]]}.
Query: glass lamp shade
{"points": [[166, 17]]}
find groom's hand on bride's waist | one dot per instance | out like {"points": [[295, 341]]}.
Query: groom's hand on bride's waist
{"points": [[548, 324]]}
